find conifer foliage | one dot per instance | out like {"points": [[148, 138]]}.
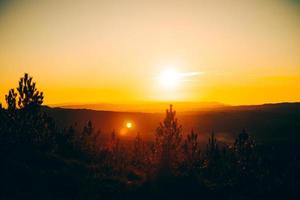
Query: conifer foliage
{"points": [[11, 100], [28, 125], [168, 141], [192, 152], [29, 96]]}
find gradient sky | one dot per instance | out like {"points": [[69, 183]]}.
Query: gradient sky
{"points": [[239, 52]]}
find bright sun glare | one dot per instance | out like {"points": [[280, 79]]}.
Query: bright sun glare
{"points": [[169, 78], [129, 125]]}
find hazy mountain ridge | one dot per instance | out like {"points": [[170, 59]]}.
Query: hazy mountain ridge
{"points": [[146, 107], [268, 122]]}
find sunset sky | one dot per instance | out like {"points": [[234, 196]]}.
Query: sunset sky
{"points": [[233, 52]]}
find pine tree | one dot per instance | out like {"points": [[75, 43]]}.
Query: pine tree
{"points": [[212, 147], [66, 142], [29, 96], [113, 141], [31, 127], [168, 142], [192, 151], [244, 149], [88, 139], [88, 129], [119, 157], [95, 146], [244, 143], [11, 100], [212, 150], [138, 152]]}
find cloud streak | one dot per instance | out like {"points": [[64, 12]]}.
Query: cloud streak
{"points": [[189, 74]]}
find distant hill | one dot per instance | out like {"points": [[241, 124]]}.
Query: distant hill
{"points": [[267, 123], [148, 107]]}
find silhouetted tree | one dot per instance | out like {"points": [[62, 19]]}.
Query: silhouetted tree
{"points": [[211, 155], [212, 148], [31, 127], [192, 152], [29, 96], [138, 154], [88, 129], [119, 156], [66, 142], [88, 139], [168, 142], [3, 126], [244, 144], [244, 150], [113, 141], [70, 134], [11, 100]]}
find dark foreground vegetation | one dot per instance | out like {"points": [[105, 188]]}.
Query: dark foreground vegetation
{"points": [[39, 160]]}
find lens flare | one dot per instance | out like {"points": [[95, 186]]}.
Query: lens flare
{"points": [[129, 125]]}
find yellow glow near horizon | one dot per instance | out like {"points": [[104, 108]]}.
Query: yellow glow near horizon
{"points": [[106, 52]]}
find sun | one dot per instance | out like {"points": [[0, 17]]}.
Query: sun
{"points": [[129, 125], [169, 78]]}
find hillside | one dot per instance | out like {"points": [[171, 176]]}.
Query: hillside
{"points": [[268, 123]]}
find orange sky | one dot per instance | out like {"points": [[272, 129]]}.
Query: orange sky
{"points": [[234, 52]]}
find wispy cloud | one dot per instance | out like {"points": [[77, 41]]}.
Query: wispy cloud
{"points": [[189, 74]]}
